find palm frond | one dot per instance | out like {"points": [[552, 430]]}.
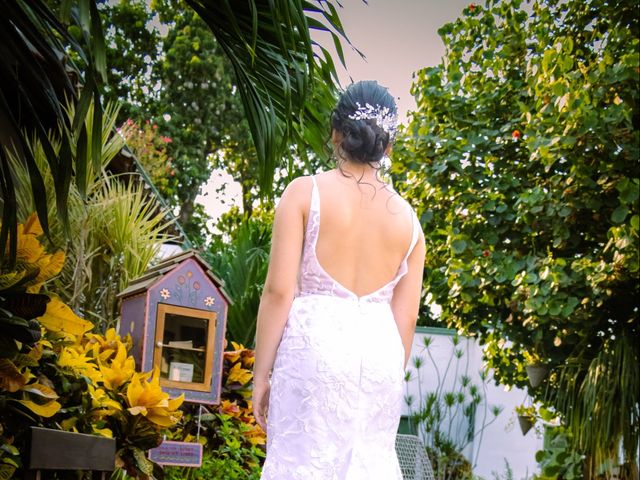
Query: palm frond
{"points": [[36, 79], [276, 63]]}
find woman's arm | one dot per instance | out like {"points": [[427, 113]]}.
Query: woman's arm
{"points": [[406, 296], [279, 288]]}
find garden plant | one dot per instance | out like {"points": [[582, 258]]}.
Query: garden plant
{"points": [[522, 160], [450, 418]]}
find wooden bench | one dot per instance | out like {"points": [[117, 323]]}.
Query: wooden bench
{"points": [[58, 450]]}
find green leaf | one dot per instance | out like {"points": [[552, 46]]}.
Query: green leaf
{"points": [[619, 214], [142, 462], [458, 246]]}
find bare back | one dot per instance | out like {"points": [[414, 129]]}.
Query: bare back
{"points": [[365, 231]]}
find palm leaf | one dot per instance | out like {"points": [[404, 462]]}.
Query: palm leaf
{"points": [[276, 65], [35, 83]]}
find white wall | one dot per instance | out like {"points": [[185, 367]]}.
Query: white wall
{"points": [[502, 439]]}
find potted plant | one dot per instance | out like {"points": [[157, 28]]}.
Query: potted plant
{"points": [[526, 417], [536, 369]]}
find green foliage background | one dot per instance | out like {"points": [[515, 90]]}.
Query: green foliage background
{"points": [[522, 161]]}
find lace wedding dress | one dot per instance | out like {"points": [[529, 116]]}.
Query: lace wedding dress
{"points": [[337, 382]]}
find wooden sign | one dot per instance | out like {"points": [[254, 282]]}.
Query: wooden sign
{"points": [[177, 454]]}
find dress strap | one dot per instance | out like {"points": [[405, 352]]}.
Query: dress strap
{"points": [[415, 225], [315, 197], [313, 221]]}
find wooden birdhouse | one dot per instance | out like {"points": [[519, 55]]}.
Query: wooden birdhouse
{"points": [[176, 314]]}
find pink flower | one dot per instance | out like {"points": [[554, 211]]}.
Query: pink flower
{"points": [[166, 139]]}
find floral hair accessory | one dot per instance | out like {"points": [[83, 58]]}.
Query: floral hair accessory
{"points": [[382, 115]]}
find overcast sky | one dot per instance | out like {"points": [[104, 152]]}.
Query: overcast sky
{"points": [[397, 37]]}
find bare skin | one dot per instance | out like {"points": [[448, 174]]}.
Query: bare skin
{"points": [[365, 232]]}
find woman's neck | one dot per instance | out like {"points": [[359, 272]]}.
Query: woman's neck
{"points": [[358, 170]]}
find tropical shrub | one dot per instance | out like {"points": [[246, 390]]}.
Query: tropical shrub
{"points": [[150, 148], [233, 441], [241, 261], [558, 459], [71, 379], [522, 159], [115, 225]]}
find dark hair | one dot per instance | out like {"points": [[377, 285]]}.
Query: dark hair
{"points": [[363, 140]]}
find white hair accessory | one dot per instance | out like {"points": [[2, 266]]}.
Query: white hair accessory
{"points": [[382, 115]]}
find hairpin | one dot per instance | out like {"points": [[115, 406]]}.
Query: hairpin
{"points": [[382, 115]]}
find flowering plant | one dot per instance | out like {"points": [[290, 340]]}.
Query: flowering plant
{"points": [[66, 377]]}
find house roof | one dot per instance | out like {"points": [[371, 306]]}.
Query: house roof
{"points": [[153, 274]]}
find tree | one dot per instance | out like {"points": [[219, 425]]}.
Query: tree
{"points": [[182, 82], [273, 60], [522, 159]]}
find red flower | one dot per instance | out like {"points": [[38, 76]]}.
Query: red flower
{"points": [[516, 134], [472, 7], [166, 139], [485, 253]]}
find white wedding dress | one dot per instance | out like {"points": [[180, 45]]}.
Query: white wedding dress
{"points": [[337, 382]]}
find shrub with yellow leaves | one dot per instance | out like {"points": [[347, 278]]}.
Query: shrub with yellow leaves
{"points": [[54, 373]]}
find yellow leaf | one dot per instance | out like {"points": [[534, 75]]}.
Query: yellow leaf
{"points": [[28, 249], [40, 390], [137, 410], [50, 266], [32, 226], [11, 278], [80, 364], [69, 424], [60, 318], [145, 396], [46, 410], [36, 351], [102, 404], [120, 371], [11, 379], [6, 471], [239, 374], [103, 432], [160, 416], [176, 402]]}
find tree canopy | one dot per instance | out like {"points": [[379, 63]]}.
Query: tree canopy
{"points": [[522, 159]]}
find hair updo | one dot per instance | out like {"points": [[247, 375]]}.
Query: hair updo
{"points": [[363, 140]]}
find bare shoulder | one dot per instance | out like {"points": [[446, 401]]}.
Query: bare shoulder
{"points": [[297, 193], [399, 204]]}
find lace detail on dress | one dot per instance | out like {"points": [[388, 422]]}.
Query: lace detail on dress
{"points": [[336, 385]]}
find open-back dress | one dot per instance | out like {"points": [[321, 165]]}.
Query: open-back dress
{"points": [[337, 381]]}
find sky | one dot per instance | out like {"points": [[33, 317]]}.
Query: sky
{"points": [[397, 37]]}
